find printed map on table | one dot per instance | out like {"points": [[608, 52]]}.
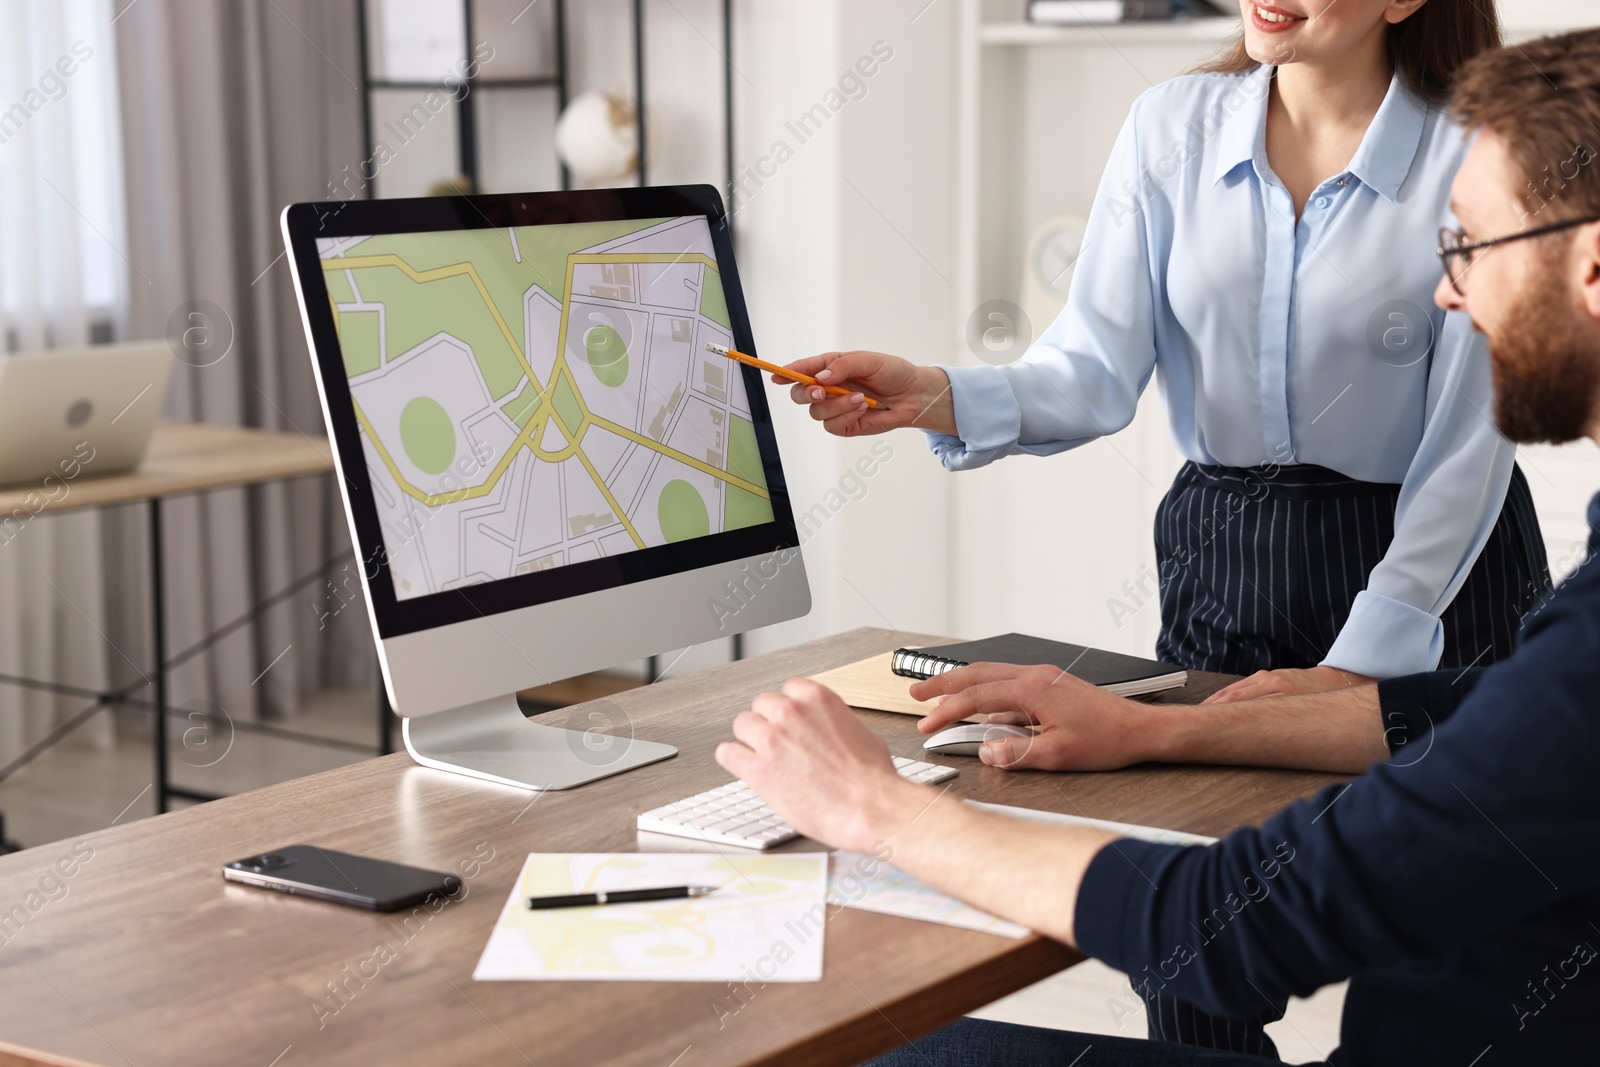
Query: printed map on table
{"points": [[535, 396], [766, 919], [857, 880], [1111, 829], [860, 881]]}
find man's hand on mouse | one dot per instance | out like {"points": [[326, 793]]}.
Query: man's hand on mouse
{"points": [[807, 755], [1080, 726]]}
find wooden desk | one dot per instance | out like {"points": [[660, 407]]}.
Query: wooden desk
{"points": [[183, 458], [150, 958]]}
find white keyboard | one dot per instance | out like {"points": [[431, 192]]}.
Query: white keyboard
{"points": [[732, 814]]}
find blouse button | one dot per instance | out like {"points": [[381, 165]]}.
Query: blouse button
{"points": [[1323, 201]]}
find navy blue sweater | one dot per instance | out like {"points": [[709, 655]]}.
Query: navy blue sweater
{"points": [[1457, 884]]}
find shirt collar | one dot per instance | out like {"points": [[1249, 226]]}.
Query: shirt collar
{"points": [[1244, 127], [1382, 162], [1390, 146]]}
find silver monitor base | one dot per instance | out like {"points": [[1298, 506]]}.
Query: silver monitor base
{"points": [[495, 741]]}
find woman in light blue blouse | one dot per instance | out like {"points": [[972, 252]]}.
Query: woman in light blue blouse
{"points": [[1262, 241]]}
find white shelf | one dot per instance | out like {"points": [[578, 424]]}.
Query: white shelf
{"points": [[1177, 31]]}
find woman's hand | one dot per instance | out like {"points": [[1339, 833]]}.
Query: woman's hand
{"points": [[1080, 727], [1287, 681], [915, 396]]}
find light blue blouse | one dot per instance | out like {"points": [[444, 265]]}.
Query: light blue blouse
{"points": [[1274, 340]]}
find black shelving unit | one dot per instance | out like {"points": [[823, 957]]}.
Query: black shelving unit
{"points": [[467, 114], [467, 105], [468, 154]]}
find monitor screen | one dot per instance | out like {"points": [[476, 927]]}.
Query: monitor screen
{"points": [[522, 399], [536, 396]]}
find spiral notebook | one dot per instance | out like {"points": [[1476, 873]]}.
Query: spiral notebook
{"points": [[1124, 675], [880, 683]]}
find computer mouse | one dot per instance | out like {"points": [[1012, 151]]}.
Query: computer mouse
{"points": [[966, 738]]}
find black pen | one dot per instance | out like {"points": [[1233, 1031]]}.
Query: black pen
{"points": [[621, 896]]}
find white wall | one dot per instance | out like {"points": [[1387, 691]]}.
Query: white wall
{"points": [[1045, 545], [848, 245]]}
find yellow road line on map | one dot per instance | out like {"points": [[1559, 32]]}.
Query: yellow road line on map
{"points": [[686, 460], [605, 491], [632, 435], [383, 453], [434, 274], [434, 500]]}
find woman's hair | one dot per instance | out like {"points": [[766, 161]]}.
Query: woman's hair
{"points": [[1427, 49]]}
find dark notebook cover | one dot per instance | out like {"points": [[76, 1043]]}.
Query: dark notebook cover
{"points": [[1093, 665]]}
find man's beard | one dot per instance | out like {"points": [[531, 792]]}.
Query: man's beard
{"points": [[1546, 364]]}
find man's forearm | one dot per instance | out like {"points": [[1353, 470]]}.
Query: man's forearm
{"points": [[1339, 730], [1031, 874], [1017, 870]]}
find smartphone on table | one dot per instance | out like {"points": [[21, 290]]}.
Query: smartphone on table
{"points": [[344, 878]]}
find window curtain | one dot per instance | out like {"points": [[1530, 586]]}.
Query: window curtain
{"points": [[63, 281], [230, 110]]}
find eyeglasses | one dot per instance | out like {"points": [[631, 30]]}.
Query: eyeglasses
{"points": [[1458, 256]]}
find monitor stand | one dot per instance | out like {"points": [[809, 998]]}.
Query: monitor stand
{"points": [[495, 741]]}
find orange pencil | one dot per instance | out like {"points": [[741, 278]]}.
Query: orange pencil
{"points": [[793, 376]]}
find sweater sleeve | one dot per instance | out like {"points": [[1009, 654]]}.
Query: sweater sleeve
{"points": [[1468, 832], [1413, 704]]}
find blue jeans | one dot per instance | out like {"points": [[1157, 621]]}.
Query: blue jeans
{"points": [[981, 1043]]}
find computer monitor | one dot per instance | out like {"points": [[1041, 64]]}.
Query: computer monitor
{"points": [[545, 470]]}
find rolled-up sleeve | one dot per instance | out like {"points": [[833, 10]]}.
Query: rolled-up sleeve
{"points": [[1082, 378], [1448, 505]]}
